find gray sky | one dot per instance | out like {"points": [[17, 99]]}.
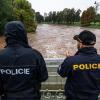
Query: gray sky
{"points": [[57, 5]]}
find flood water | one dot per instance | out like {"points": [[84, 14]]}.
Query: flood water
{"points": [[54, 40]]}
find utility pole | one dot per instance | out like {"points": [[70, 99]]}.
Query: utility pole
{"points": [[97, 4], [96, 9]]}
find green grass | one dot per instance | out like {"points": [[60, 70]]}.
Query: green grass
{"points": [[76, 24], [96, 25]]}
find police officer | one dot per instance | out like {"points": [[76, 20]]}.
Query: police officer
{"points": [[82, 70], [22, 69]]}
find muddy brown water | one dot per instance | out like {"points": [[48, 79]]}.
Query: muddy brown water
{"points": [[53, 40]]}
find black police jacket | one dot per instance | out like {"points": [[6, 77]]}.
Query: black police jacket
{"points": [[83, 75], [22, 69]]}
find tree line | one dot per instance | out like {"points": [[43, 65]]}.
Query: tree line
{"points": [[70, 17], [67, 16], [17, 10], [22, 10]]}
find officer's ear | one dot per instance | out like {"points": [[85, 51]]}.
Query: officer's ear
{"points": [[79, 45]]}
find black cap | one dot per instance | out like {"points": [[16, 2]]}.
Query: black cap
{"points": [[86, 38]]}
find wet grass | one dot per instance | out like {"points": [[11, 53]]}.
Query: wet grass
{"points": [[96, 25]]}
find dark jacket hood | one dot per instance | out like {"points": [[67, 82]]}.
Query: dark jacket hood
{"points": [[15, 34]]}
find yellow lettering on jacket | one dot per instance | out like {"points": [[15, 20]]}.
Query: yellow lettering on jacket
{"points": [[86, 66]]}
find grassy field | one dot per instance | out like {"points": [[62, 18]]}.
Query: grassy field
{"points": [[96, 25]]}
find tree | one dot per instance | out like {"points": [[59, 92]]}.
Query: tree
{"points": [[72, 16], [91, 12], [5, 13], [88, 16], [54, 17], [39, 17], [50, 17], [59, 17], [23, 11], [67, 16], [84, 19], [77, 15]]}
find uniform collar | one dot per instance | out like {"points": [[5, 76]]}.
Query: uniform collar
{"points": [[87, 50]]}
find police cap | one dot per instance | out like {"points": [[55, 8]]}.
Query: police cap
{"points": [[86, 38]]}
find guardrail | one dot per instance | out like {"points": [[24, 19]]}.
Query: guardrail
{"points": [[54, 82], [53, 88]]}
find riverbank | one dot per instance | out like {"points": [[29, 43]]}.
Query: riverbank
{"points": [[94, 26]]}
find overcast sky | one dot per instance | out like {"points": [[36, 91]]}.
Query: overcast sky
{"points": [[57, 5]]}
